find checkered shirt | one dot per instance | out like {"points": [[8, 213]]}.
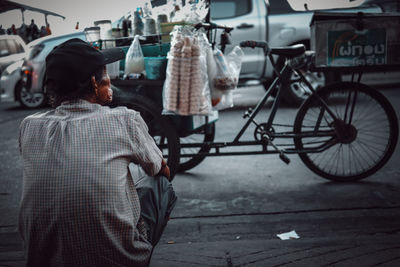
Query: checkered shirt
{"points": [[79, 204]]}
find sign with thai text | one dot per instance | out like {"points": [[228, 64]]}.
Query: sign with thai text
{"points": [[357, 48]]}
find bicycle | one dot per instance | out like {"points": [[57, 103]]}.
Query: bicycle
{"points": [[343, 132]]}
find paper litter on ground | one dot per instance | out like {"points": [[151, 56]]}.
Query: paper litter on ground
{"points": [[288, 235]]}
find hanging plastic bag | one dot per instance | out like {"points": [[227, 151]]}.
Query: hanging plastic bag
{"points": [[191, 10], [137, 24], [228, 69], [186, 89], [200, 98], [134, 60], [149, 22], [212, 69], [223, 74], [234, 59]]}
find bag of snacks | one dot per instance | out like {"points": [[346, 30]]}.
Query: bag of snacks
{"points": [[134, 60], [186, 90], [223, 74]]}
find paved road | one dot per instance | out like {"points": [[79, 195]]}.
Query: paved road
{"points": [[231, 208]]}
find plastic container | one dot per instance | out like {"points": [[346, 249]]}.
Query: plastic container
{"points": [[155, 67], [105, 33], [156, 50], [92, 35], [149, 51], [149, 26], [137, 24], [116, 33], [105, 28], [161, 18]]}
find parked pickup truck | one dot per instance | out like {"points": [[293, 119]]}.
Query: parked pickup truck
{"points": [[276, 22]]}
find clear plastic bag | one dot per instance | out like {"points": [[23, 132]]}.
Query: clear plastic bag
{"points": [[134, 60], [228, 69], [186, 89], [149, 22], [223, 74]]}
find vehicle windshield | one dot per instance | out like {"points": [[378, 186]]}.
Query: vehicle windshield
{"points": [[10, 47], [304, 5], [3, 48]]}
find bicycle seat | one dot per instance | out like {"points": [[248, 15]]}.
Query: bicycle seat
{"points": [[289, 51]]}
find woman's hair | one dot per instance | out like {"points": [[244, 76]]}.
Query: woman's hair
{"points": [[59, 91]]}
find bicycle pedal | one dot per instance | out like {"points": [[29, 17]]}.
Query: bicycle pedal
{"points": [[247, 113], [284, 158]]}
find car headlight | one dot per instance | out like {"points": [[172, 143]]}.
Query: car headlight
{"points": [[16, 66]]}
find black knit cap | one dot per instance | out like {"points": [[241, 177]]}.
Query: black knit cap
{"points": [[76, 60]]}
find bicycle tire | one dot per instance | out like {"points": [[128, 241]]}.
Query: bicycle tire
{"points": [[159, 128], [209, 134], [376, 113]]}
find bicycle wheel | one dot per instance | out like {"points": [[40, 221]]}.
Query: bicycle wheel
{"points": [[206, 134], [160, 128], [361, 139]]}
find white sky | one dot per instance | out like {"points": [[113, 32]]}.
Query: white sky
{"points": [[84, 11]]}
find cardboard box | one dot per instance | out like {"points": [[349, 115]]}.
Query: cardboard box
{"points": [[355, 39]]}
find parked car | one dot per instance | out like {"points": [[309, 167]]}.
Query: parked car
{"points": [[12, 49], [30, 91], [9, 80], [276, 22]]}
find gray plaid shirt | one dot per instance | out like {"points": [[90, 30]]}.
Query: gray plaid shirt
{"points": [[79, 204]]}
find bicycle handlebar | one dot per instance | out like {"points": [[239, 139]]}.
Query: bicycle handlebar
{"points": [[254, 44], [209, 26]]}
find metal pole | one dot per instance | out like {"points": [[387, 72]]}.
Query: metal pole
{"points": [[23, 16]]}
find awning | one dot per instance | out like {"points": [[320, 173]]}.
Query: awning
{"points": [[6, 5]]}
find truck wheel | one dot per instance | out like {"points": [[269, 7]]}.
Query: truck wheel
{"points": [[296, 92]]}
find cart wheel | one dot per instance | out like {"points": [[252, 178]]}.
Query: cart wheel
{"points": [[362, 138], [204, 135], [159, 126]]}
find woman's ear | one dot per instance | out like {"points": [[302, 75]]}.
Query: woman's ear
{"points": [[95, 86]]}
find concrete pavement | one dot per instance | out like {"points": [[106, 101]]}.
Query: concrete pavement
{"points": [[330, 237], [362, 237], [230, 209]]}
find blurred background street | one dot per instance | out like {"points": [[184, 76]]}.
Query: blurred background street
{"points": [[231, 208]]}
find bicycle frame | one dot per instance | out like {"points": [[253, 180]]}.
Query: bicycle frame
{"points": [[282, 76]]}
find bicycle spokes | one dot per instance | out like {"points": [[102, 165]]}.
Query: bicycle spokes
{"points": [[363, 132], [351, 103]]}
